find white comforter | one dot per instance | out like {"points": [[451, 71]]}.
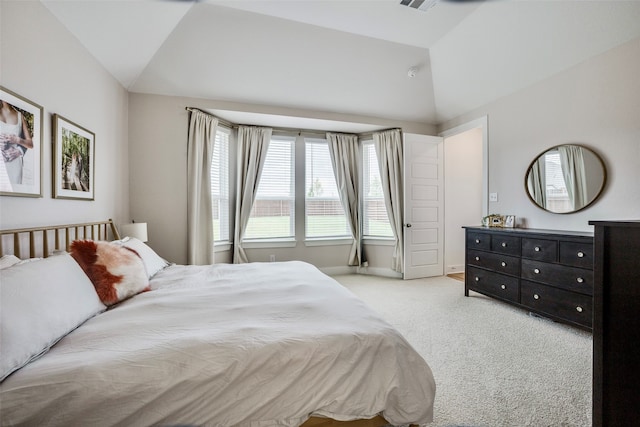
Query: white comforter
{"points": [[261, 344]]}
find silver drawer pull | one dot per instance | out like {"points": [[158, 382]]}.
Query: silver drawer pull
{"points": [[477, 240], [477, 279], [477, 258], [580, 254], [536, 270], [504, 244], [537, 249], [503, 286], [536, 296], [580, 280], [579, 309], [504, 264]]}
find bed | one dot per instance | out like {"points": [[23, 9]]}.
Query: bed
{"points": [[255, 345]]}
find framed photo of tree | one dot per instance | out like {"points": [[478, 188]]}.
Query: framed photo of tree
{"points": [[21, 146], [73, 160]]}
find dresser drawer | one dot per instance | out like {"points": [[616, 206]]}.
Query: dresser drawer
{"points": [[494, 284], [570, 278], [509, 245], [576, 254], [478, 240], [497, 262], [556, 302], [540, 249]]}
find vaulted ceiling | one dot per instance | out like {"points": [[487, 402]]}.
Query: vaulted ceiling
{"points": [[345, 56]]}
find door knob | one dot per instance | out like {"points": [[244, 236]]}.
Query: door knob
{"points": [[408, 225]]}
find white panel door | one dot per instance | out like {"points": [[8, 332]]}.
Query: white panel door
{"points": [[423, 206]]}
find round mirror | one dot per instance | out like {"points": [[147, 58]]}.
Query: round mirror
{"points": [[565, 178]]}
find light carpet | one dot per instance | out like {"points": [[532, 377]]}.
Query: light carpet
{"points": [[494, 364]]}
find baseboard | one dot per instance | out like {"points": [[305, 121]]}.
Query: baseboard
{"points": [[377, 271], [450, 269], [335, 271], [371, 271]]}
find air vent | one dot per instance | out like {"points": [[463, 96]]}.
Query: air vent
{"points": [[422, 5]]}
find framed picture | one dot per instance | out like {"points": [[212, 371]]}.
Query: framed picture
{"points": [[493, 220], [73, 160], [21, 145], [497, 221], [510, 221]]}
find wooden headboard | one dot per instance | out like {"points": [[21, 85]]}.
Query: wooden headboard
{"points": [[42, 241]]}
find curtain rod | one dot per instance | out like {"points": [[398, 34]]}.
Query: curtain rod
{"points": [[299, 131], [221, 121], [370, 134], [235, 125]]}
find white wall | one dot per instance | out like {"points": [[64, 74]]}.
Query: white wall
{"points": [[462, 193], [596, 104], [41, 61], [158, 148]]}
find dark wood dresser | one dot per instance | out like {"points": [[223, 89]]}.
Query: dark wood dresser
{"points": [[616, 324], [546, 272]]}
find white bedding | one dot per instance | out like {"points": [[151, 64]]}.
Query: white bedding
{"points": [[260, 344]]}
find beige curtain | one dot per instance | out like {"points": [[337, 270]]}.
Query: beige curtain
{"points": [[344, 151], [573, 171], [536, 182], [388, 145], [201, 138], [253, 143]]}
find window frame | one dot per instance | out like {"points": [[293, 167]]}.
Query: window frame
{"points": [[327, 238], [379, 239], [224, 244], [279, 241]]}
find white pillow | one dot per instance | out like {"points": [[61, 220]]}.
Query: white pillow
{"points": [[8, 260], [41, 302], [152, 261]]}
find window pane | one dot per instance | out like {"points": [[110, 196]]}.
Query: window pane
{"points": [[220, 186], [375, 218], [273, 212], [558, 199], [324, 214]]}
